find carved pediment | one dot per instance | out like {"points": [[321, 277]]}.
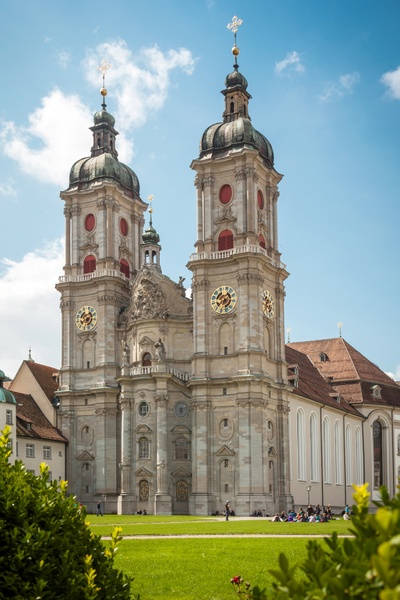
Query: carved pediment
{"points": [[181, 429], [146, 341], [142, 472], [85, 456], [143, 429], [225, 451], [181, 473]]}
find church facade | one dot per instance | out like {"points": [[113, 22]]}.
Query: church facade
{"points": [[172, 404]]}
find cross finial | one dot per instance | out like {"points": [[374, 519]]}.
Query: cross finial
{"points": [[103, 67], [234, 26], [340, 325]]}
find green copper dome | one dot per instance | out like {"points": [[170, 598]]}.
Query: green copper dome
{"points": [[150, 236], [104, 166], [103, 163], [5, 395], [236, 131]]}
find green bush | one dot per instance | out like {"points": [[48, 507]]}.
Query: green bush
{"points": [[365, 566], [47, 551]]}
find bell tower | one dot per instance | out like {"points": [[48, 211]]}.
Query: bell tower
{"points": [[103, 232], [239, 393]]}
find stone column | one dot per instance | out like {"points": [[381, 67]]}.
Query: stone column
{"points": [[67, 213], [75, 212], [200, 213], [125, 499], [283, 474], [162, 504], [201, 493], [243, 497]]}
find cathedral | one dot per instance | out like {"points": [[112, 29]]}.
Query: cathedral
{"points": [[174, 403]]}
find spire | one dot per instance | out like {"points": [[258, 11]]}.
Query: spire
{"points": [[151, 247], [104, 133], [236, 94]]}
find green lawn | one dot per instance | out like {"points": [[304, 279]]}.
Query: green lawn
{"points": [[178, 525], [201, 568]]}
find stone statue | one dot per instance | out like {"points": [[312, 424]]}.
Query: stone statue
{"points": [[160, 350], [125, 352]]}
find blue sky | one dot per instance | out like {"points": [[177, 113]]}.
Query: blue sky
{"points": [[325, 81]]}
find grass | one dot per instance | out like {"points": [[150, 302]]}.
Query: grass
{"points": [[201, 568], [183, 525]]}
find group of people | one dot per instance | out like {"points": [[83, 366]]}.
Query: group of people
{"points": [[310, 515]]}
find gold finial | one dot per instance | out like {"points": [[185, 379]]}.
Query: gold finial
{"points": [[234, 26], [150, 199], [103, 67]]}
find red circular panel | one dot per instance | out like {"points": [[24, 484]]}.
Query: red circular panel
{"points": [[123, 226], [261, 240], [90, 222], [260, 199], [225, 194]]}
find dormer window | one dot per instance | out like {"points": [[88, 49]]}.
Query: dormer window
{"points": [[323, 357], [376, 392]]}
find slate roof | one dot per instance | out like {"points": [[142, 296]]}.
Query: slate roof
{"points": [[312, 385], [28, 412], [349, 372]]}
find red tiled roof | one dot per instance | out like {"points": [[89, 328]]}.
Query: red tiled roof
{"points": [[349, 372], [311, 384], [29, 412], [44, 376]]}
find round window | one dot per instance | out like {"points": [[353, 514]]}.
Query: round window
{"points": [[181, 410], [260, 199], [123, 226], [143, 409], [90, 222], [225, 194]]}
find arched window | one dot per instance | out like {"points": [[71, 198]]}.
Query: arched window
{"points": [[144, 448], [225, 240], [124, 267], [146, 359], [144, 489], [313, 447], [301, 446], [338, 454], [232, 107], [359, 457], [182, 450], [349, 456], [89, 264], [378, 454], [261, 241], [327, 450]]}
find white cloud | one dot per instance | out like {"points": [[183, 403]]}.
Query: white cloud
{"points": [[7, 189], [334, 90], [396, 374], [290, 64], [57, 134], [64, 59], [392, 81], [138, 83], [29, 307]]}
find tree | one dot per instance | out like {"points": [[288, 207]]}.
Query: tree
{"points": [[47, 550]]}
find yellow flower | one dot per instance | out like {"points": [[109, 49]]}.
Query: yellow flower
{"points": [[361, 495]]}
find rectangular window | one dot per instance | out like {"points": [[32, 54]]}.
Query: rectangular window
{"points": [[9, 419], [31, 471], [10, 445], [30, 450], [50, 476], [47, 452]]}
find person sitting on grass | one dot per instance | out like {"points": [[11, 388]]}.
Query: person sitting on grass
{"points": [[276, 518]]}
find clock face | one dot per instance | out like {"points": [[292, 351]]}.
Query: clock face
{"points": [[268, 304], [86, 318], [223, 299]]}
